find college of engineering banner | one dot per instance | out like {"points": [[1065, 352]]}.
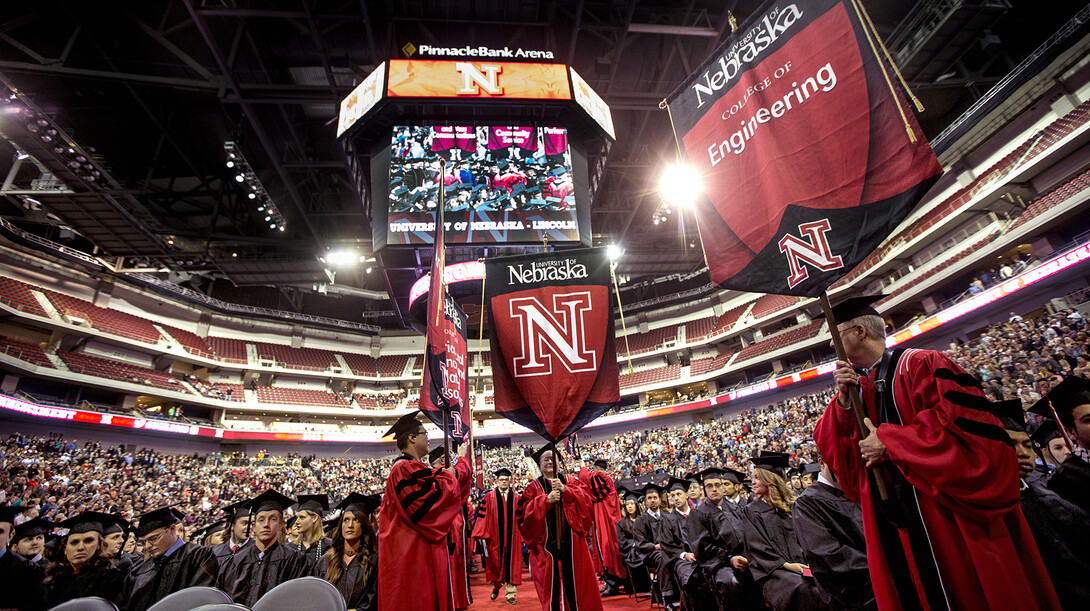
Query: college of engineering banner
{"points": [[554, 366], [804, 151]]}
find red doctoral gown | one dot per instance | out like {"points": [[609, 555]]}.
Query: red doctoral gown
{"points": [[965, 482], [607, 512], [459, 579], [496, 527], [417, 515], [575, 588]]}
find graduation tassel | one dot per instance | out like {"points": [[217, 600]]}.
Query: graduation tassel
{"points": [[1059, 425], [882, 65]]}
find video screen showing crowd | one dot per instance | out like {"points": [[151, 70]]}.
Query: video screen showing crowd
{"points": [[489, 169], [995, 493]]}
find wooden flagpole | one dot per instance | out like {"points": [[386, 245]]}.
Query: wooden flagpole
{"points": [[442, 203], [880, 480]]}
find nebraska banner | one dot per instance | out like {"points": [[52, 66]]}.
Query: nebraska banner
{"points": [[444, 386], [554, 365], [804, 149]]}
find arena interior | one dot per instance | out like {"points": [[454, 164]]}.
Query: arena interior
{"points": [[194, 308]]}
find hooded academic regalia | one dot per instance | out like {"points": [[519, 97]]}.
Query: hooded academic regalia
{"points": [[251, 572], [417, 515], [358, 583], [604, 550], [496, 527], [184, 566], [830, 529], [99, 578], [459, 559], [564, 571], [954, 480]]}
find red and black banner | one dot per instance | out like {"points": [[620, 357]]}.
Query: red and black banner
{"points": [[446, 359], [803, 148], [554, 365]]}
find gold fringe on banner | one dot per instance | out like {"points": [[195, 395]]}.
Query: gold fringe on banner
{"points": [[882, 65], [889, 57]]}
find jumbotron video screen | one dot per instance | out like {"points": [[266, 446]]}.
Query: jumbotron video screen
{"points": [[502, 184]]}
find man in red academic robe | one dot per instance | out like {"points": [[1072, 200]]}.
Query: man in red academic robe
{"points": [[603, 536], [954, 536], [554, 516], [459, 578], [496, 527], [418, 513]]}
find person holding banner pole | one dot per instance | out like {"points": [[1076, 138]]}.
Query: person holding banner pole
{"points": [[959, 539]]}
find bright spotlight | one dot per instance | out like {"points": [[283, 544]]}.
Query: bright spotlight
{"points": [[230, 164], [681, 185], [342, 258], [614, 252], [253, 195], [240, 177]]}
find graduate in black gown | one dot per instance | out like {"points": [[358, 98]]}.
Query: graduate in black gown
{"points": [[238, 532], [311, 539], [1071, 398], [774, 553], [28, 541], [20, 581], [351, 562], [717, 536], [830, 529], [687, 572], [657, 546], [258, 568], [83, 567], [626, 539], [1059, 527], [171, 565], [117, 533]]}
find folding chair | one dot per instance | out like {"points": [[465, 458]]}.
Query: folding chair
{"points": [[90, 603], [302, 594], [191, 598]]}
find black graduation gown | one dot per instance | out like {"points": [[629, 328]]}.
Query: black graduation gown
{"points": [[246, 577], [1071, 480], [126, 562], [649, 532], [103, 582], [1059, 528], [830, 529], [675, 535], [770, 542], [190, 565], [626, 542], [222, 551], [20, 584], [358, 594], [315, 552], [717, 533]]}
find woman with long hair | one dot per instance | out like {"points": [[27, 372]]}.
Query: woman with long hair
{"points": [[308, 534], [775, 555], [626, 539], [83, 566], [351, 562]]}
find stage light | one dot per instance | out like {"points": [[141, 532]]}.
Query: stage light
{"points": [[614, 252], [230, 164], [240, 177], [368, 270], [268, 218], [283, 227], [20, 155], [681, 185], [273, 226], [252, 195], [342, 258]]}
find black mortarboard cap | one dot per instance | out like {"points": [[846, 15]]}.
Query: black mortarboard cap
{"points": [[86, 522], [1070, 393], [792, 472], [30, 528], [853, 307], [537, 453], [212, 528], [652, 488], [1011, 414], [405, 425], [117, 525], [502, 472], [718, 473], [270, 500], [291, 521], [363, 503], [316, 503], [237, 510], [1045, 433], [810, 468], [156, 519], [677, 484], [8, 513], [435, 454], [601, 463], [771, 461]]}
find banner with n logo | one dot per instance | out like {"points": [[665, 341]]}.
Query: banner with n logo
{"points": [[809, 154], [554, 365]]}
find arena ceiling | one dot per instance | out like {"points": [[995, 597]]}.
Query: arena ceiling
{"points": [[152, 90]]}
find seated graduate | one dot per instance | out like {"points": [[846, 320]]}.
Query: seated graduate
{"points": [[554, 516], [717, 535], [351, 562], [659, 549], [830, 529], [117, 534], [774, 553], [626, 539], [238, 531], [1058, 526], [687, 572], [171, 564], [83, 567], [310, 538], [415, 520], [28, 540], [256, 569], [1050, 446], [20, 581], [459, 561], [1071, 399]]}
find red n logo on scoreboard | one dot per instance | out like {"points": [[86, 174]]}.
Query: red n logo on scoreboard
{"points": [[559, 332], [815, 251]]}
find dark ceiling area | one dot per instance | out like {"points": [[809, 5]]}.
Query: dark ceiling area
{"points": [[150, 92]]}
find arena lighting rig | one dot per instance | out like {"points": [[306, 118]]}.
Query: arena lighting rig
{"points": [[247, 179]]}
